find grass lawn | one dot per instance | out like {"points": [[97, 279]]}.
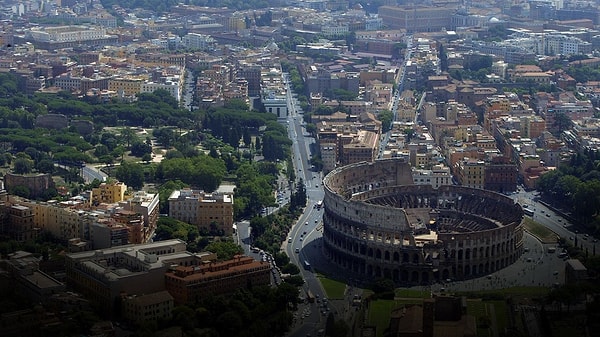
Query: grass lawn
{"points": [[540, 231], [379, 314], [407, 293], [334, 289]]}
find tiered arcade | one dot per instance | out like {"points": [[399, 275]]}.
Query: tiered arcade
{"points": [[378, 224]]}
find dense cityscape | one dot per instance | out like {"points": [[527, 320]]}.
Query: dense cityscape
{"points": [[299, 168]]}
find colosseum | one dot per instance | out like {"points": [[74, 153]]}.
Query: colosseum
{"points": [[377, 223]]}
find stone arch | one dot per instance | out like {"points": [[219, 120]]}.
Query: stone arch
{"points": [[396, 257], [378, 254], [425, 277], [386, 256], [415, 258], [404, 275], [414, 277]]}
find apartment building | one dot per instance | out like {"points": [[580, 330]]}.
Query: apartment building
{"points": [[125, 86], [62, 221], [417, 18], [107, 233], [362, 146], [147, 205], [171, 84], [108, 193], [202, 209], [501, 175], [105, 275], [437, 176], [470, 172], [52, 38], [28, 280], [147, 307], [188, 284], [16, 222]]}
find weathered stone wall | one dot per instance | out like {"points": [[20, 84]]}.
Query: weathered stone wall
{"points": [[378, 224]]}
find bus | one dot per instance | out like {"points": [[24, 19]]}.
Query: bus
{"points": [[310, 297], [527, 211], [306, 265]]}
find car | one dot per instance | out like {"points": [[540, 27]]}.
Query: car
{"points": [[316, 221], [555, 272], [306, 223], [290, 240], [301, 239], [297, 250], [548, 214], [559, 220]]}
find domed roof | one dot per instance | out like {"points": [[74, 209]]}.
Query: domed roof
{"points": [[494, 20]]}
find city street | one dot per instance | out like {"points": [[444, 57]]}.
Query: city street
{"points": [[310, 319], [553, 221]]}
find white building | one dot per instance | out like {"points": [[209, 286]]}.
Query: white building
{"points": [[67, 33], [335, 30], [172, 85], [373, 22], [439, 175], [198, 41]]}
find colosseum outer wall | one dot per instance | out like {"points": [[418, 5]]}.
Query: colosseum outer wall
{"points": [[377, 224]]}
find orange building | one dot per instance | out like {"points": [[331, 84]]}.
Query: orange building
{"points": [[191, 283]]}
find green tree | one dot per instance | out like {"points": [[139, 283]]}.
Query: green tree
{"points": [[562, 122], [22, 165], [45, 166], [386, 117], [225, 250], [132, 174]]}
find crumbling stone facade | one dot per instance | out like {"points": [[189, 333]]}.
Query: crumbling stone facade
{"points": [[377, 223]]}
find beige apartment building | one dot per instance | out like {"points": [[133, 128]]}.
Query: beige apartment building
{"points": [[470, 173], [362, 147], [125, 87], [203, 209]]}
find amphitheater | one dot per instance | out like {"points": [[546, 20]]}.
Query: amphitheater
{"points": [[377, 223]]}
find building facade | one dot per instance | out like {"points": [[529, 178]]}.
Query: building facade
{"points": [[108, 193], [208, 211], [192, 283]]}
